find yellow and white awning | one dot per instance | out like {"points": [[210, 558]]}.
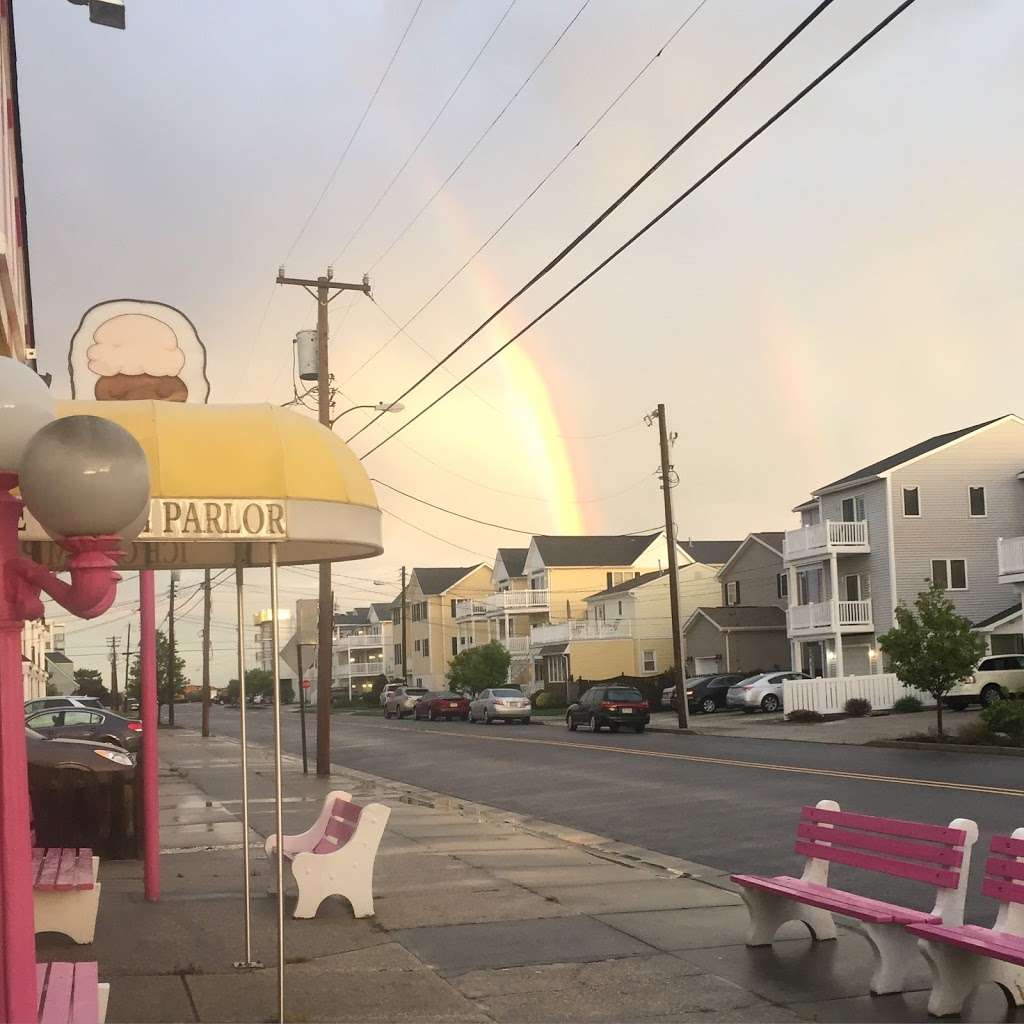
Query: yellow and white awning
{"points": [[227, 481]]}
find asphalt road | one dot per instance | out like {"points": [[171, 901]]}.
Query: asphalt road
{"points": [[728, 802]]}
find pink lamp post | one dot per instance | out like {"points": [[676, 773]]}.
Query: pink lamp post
{"points": [[86, 480]]}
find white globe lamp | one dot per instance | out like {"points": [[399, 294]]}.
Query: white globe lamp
{"points": [[26, 406]]}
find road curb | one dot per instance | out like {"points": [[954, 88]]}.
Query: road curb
{"points": [[952, 748]]}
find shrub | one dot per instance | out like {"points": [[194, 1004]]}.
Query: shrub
{"points": [[973, 733], [547, 699], [1006, 717], [857, 707], [907, 705], [804, 716]]}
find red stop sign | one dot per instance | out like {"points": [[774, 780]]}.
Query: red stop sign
{"points": [[305, 684]]}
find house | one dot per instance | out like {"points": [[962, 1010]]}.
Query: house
{"points": [[361, 638], [875, 537], [60, 670], [264, 640], [35, 645], [746, 630], [433, 629]]}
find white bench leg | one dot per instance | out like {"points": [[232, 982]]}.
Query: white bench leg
{"points": [[68, 913], [895, 953], [336, 874], [769, 912], [102, 998], [956, 973]]}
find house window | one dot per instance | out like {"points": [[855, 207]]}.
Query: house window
{"points": [[949, 573], [423, 611], [620, 609], [976, 496], [425, 648], [453, 608], [416, 646], [853, 509], [911, 502], [732, 592], [455, 646], [650, 661], [782, 585], [398, 654], [853, 587]]}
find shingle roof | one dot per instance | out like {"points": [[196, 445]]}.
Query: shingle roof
{"points": [[514, 560], [710, 552], [913, 452], [637, 581], [747, 617], [1006, 613], [615, 549], [57, 656], [356, 617], [433, 580], [383, 609], [773, 538]]}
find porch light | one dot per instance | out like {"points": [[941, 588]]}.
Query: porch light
{"points": [[830, 655]]}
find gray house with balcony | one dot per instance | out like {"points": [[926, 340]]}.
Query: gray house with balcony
{"points": [[878, 536]]}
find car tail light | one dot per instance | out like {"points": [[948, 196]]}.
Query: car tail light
{"points": [[608, 705], [689, 693], [500, 702], [644, 706], [135, 726]]}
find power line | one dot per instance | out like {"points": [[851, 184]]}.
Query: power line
{"points": [[516, 209], [434, 536], [650, 224], [609, 210], [423, 138]]}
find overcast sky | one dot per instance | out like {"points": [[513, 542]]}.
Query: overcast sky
{"points": [[848, 286]]}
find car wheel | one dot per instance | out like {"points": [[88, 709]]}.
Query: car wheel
{"points": [[465, 717], [431, 715], [525, 721], [613, 727], [770, 704], [595, 725], [707, 706], [570, 723], [990, 694], [387, 714], [488, 720], [398, 713], [640, 728]]}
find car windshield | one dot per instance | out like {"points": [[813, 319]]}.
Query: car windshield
{"points": [[633, 696], [507, 693]]}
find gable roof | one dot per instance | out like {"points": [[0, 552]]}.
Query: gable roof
{"points": [[433, 580], [59, 656], [355, 617], [1004, 616], [771, 539], [514, 560], [636, 581], [614, 549], [382, 609], [908, 454], [710, 552], [742, 617]]}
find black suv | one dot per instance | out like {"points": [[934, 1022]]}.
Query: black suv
{"points": [[615, 706]]}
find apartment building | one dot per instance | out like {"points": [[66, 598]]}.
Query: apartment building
{"points": [[745, 631], [934, 512], [361, 641], [35, 645], [433, 629]]}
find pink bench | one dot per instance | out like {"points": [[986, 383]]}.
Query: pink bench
{"points": [[336, 856], [71, 994], [66, 892], [964, 956], [934, 855]]}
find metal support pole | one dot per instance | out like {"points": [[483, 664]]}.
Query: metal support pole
{"points": [[206, 653], [302, 712], [405, 633], [149, 709], [278, 796]]}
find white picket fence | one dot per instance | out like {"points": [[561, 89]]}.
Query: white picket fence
{"points": [[829, 696]]}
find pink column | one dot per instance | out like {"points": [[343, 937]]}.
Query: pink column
{"points": [[150, 767], [18, 999]]}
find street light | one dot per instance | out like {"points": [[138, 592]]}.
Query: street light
{"points": [[376, 407], [86, 480]]}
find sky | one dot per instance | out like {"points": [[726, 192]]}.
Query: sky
{"points": [[844, 288]]}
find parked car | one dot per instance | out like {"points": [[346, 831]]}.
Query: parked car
{"points": [[996, 677], [101, 726], [41, 703], [614, 706], [402, 700], [706, 694], [442, 704], [83, 795], [131, 705], [389, 688], [506, 704], [762, 691], [668, 695]]}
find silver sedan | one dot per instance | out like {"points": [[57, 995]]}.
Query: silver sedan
{"points": [[504, 705]]}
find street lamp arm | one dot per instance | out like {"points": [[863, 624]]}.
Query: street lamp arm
{"points": [[376, 407]]}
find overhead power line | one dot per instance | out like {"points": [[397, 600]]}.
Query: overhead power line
{"points": [[657, 219], [609, 210]]}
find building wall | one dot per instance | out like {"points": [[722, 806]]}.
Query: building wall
{"points": [[991, 458], [600, 659], [703, 640], [664, 656], [756, 569], [62, 677], [757, 650]]}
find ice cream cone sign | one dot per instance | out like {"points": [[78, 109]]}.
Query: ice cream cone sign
{"points": [[130, 349]]}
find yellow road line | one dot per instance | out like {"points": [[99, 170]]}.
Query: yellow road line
{"points": [[895, 780]]}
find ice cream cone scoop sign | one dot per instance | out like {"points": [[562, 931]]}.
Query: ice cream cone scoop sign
{"points": [[130, 349]]}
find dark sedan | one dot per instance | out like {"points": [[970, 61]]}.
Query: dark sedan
{"points": [[98, 725], [83, 794], [445, 704], [618, 707], [706, 694]]}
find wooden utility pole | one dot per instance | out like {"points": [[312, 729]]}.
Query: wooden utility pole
{"points": [[169, 680], [115, 696], [679, 666], [405, 635], [302, 710], [206, 653], [127, 663], [327, 290]]}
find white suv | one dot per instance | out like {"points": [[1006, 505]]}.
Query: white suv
{"points": [[996, 677]]}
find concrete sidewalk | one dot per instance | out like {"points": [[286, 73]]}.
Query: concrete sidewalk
{"points": [[481, 915]]}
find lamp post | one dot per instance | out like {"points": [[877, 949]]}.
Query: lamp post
{"points": [[376, 407], [86, 480]]}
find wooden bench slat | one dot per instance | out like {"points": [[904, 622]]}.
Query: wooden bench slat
{"points": [[1008, 845], [1004, 868], [1002, 890], [40, 986], [930, 854], [85, 1005], [37, 865], [887, 826], [82, 878], [56, 1000], [346, 810], [48, 872], [984, 941], [939, 877]]}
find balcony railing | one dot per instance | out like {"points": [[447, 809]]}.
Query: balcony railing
{"points": [[817, 617], [518, 601], [1011, 559], [470, 609], [516, 645], [362, 640], [581, 629], [825, 538]]}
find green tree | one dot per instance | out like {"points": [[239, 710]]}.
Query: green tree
{"points": [[170, 681], [259, 682], [89, 683], [479, 668], [931, 647]]}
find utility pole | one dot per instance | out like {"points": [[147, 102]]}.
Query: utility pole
{"points": [[114, 695], [667, 472], [302, 710], [169, 681], [405, 635], [327, 290], [206, 653], [127, 663]]}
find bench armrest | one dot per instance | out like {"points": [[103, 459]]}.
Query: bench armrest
{"points": [[305, 841]]}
